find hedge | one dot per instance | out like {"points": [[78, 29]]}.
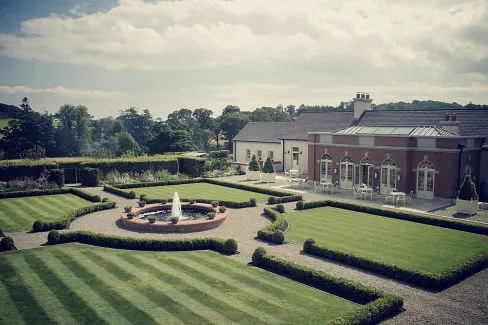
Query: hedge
{"points": [[89, 177], [6, 244], [377, 305], [274, 232], [57, 176], [191, 166], [63, 221], [229, 204], [408, 216], [52, 191], [225, 246], [85, 195], [431, 281]]}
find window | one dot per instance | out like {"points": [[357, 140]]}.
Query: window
{"points": [[295, 149], [260, 155], [326, 168], [271, 155], [248, 154]]}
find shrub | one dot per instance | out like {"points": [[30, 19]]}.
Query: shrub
{"points": [[132, 195], [85, 195], [278, 237], [308, 244], [222, 209], [300, 205], [192, 201], [53, 237], [57, 176], [268, 166], [272, 200], [174, 220], [214, 203], [280, 208], [152, 219], [128, 208], [191, 166], [6, 244], [253, 165], [105, 199], [89, 177], [142, 197], [468, 190], [253, 202], [131, 215], [258, 255], [230, 247], [141, 203], [211, 215], [274, 232]]}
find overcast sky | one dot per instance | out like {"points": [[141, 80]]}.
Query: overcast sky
{"points": [[165, 55]]}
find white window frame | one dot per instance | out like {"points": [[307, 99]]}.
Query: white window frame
{"points": [[259, 155], [271, 155], [248, 154]]}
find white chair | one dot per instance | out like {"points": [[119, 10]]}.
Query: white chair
{"points": [[389, 198], [409, 196], [287, 173], [355, 193]]}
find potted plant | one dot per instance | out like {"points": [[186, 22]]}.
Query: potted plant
{"points": [[253, 172], [467, 200], [151, 219], [192, 201], [211, 215], [222, 209], [130, 215], [174, 220], [128, 208], [268, 174], [142, 203], [215, 203]]}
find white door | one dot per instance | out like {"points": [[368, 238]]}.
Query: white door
{"points": [[326, 169], [294, 160], [388, 176], [425, 180], [346, 175]]}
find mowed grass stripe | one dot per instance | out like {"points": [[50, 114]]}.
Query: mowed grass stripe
{"points": [[70, 301], [8, 310], [20, 212], [171, 306], [175, 290], [28, 307], [212, 299], [106, 287], [29, 267], [105, 311], [201, 191], [48, 210], [264, 281], [7, 220], [411, 245], [69, 201]]}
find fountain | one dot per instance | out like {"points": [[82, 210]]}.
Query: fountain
{"points": [[176, 208]]}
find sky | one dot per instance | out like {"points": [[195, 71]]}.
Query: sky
{"points": [[165, 55]]}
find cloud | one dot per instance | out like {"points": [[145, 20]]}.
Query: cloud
{"points": [[59, 91]]}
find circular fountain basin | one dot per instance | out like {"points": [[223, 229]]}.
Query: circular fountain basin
{"points": [[197, 222]]}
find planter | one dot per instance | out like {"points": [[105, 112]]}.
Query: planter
{"points": [[252, 175], [467, 207], [268, 177]]}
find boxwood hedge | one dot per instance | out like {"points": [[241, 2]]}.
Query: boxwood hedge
{"points": [[274, 232], [224, 246], [377, 305]]}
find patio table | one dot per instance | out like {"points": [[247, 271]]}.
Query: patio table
{"points": [[327, 187], [294, 172], [366, 191], [398, 196]]}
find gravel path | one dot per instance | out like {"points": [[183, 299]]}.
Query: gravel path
{"points": [[464, 303]]}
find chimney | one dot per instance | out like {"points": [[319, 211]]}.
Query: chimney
{"points": [[450, 123], [362, 103]]}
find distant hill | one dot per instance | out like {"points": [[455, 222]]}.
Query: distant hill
{"points": [[426, 105], [9, 111]]}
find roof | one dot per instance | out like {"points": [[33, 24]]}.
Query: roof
{"points": [[425, 131], [296, 130], [194, 154], [263, 131], [472, 122]]}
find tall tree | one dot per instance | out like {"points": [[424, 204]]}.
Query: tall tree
{"points": [[72, 133], [229, 109], [140, 126], [231, 124]]}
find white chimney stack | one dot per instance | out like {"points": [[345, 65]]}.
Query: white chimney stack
{"points": [[362, 103]]}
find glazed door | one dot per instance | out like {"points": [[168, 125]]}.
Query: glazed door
{"points": [[346, 175], [425, 183]]}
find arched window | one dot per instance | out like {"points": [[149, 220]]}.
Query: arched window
{"points": [[365, 172], [388, 176], [346, 172], [425, 180], [366, 161], [326, 168]]}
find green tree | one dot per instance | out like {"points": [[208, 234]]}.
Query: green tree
{"points": [[231, 124], [253, 165], [125, 144], [140, 126], [73, 133], [269, 114], [181, 140], [268, 166], [468, 190]]}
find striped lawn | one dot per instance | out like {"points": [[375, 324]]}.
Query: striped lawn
{"points": [[20, 213], [203, 191], [80, 284], [411, 245]]}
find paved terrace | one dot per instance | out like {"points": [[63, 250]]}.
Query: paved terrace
{"points": [[464, 303]]}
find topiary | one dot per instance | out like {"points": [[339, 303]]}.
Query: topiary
{"points": [[230, 247], [258, 255], [151, 219], [252, 202], [98, 198], [280, 208], [37, 226], [253, 165], [222, 209], [132, 195], [268, 166], [272, 200], [278, 237], [53, 237], [192, 201], [7, 244], [128, 208], [300, 205], [308, 244], [141, 203], [214, 203], [174, 220], [468, 190], [105, 199], [143, 197], [211, 215]]}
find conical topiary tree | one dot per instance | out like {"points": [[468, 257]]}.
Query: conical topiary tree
{"points": [[468, 190], [268, 166], [254, 166]]}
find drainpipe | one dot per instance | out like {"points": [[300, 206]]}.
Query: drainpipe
{"points": [[283, 155], [460, 147], [314, 161]]}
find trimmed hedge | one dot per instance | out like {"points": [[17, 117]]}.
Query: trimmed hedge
{"points": [[377, 305], [66, 219], [191, 166], [408, 216], [57, 176], [274, 232], [52, 191], [85, 195], [6, 244], [426, 280], [89, 177], [224, 246]]}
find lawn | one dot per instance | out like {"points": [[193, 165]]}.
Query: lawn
{"points": [[21, 212], [411, 245], [4, 122], [76, 283], [203, 191]]}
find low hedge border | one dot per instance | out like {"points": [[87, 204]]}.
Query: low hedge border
{"points": [[276, 196], [63, 221], [84, 195], [274, 232], [408, 216], [228, 204], [377, 305], [432, 281], [224, 246]]}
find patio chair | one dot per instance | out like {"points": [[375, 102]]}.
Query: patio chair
{"points": [[388, 198], [287, 173], [356, 194], [409, 196]]}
